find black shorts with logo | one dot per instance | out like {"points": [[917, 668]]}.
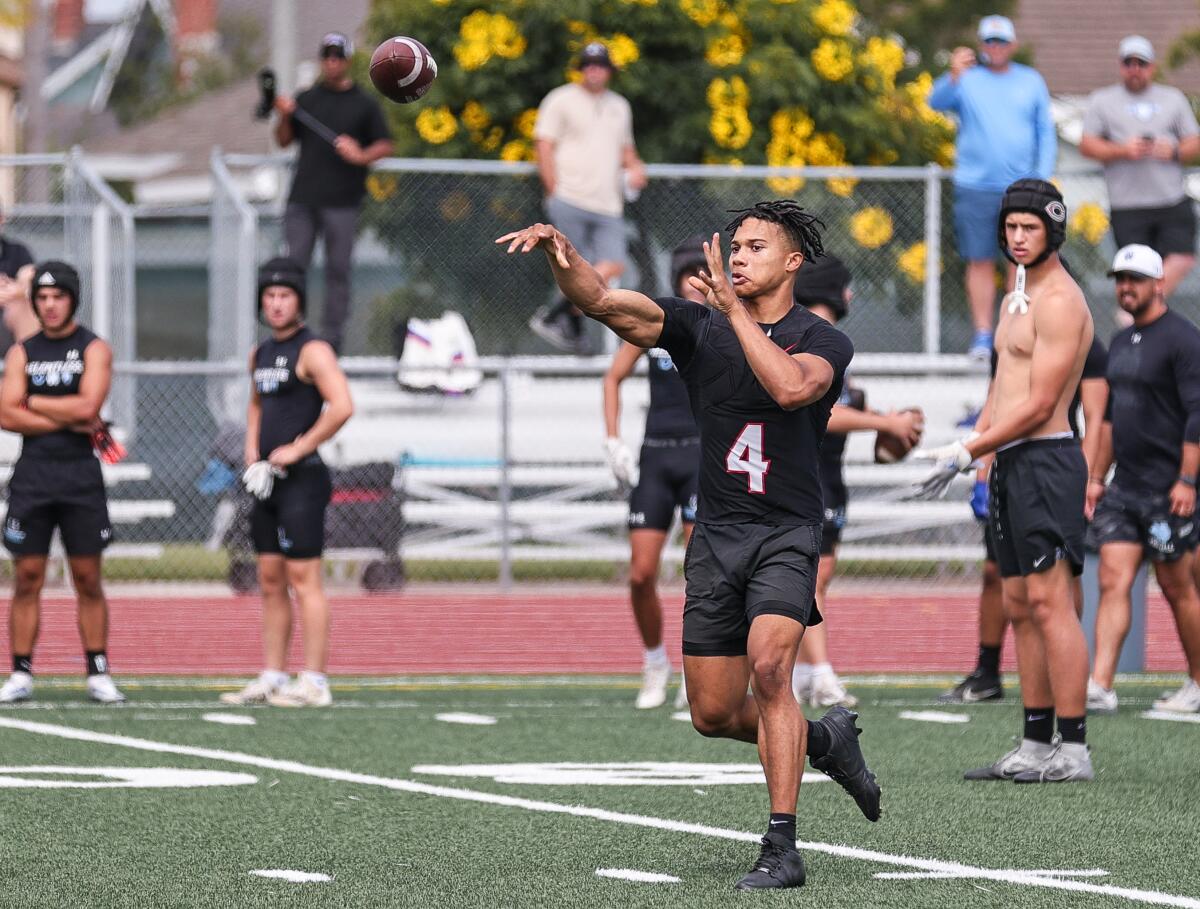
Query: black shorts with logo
{"points": [[737, 572], [291, 521], [831, 528], [668, 478], [68, 494], [1165, 230], [1035, 502], [1127, 516]]}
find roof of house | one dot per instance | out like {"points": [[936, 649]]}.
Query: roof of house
{"points": [[1074, 42]]}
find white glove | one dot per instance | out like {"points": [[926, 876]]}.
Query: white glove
{"points": [[942, 452], [259, 478], [951, 460], [621, 462]]}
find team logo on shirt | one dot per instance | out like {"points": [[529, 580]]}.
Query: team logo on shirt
{"points": [[269, 378], [661, 359], [53, 373]]}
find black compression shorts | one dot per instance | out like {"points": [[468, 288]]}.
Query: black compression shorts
{"points": [[669, 473], [68, 494], [291, 522]]}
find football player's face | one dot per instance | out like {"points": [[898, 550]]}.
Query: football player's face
{"points": [[761, 257], [53, 306], [280, 306]]}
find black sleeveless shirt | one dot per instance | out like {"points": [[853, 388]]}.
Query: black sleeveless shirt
{"points": [[54, 367], [289, 406], [670, 413]]}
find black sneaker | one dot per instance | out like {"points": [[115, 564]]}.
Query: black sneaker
{"points": [[978, 686], [844, 762], [557, 329], [778, 865]]}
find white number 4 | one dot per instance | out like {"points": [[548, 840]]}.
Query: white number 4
{"points": [[746, 456]]}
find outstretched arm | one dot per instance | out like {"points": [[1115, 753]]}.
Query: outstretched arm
{"points": [[633, 316]]}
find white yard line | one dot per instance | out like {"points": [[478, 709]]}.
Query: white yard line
{"points": [[934, 716], [1170, 716], [1000, 875], [641, 877]]}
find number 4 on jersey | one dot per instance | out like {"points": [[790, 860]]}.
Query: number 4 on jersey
{"points": [[746, 456]]}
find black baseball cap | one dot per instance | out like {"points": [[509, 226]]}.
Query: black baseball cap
{"points": [[595, 54], [335, 44]]}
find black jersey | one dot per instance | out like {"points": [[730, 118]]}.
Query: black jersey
{"points": [[290, 406], [833, 452], [54, 367], [1094, 367], [759, 463], [1154, 400], [670, 413]]}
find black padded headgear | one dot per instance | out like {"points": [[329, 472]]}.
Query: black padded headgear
{"points": [[687, 257], [1038, 197], [54, 273], [281, 272], [823, 283]]}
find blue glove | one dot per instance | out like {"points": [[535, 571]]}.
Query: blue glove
{"points": [[979, 500]]}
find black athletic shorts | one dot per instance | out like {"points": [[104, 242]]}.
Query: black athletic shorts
{"points": [[831, 528], [291, 522], [1165, 230], [668, 478], [68, 494], [1127, 516], [736, 572], [1035, 502], [989, 548]]}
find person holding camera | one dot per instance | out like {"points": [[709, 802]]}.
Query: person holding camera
{"points": [[1005, 133], [331, 172], [1142, 132]]}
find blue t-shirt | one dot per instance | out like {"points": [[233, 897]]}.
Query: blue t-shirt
{"points": [[1005, 131]]}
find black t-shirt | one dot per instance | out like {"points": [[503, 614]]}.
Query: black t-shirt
{"points": [[290, 406], [833, 451], [54, 367], [670, 413], [1154, 400], [13, 257], [759, 463], [323, 178], [1094, 367]]}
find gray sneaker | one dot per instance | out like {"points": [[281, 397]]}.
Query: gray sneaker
{"points": [[1070, 763], [1026, 757]]}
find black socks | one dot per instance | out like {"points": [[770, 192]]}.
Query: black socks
{"points": [[1073, 728], [22, 663], [1039, 724], [97, 662], [783, 825], [989, 659]]}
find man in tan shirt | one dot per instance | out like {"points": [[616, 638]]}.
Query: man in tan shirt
{"points": [[587, 161]]}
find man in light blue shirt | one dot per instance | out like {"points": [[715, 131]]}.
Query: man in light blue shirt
{"points": [[1005, 132]]}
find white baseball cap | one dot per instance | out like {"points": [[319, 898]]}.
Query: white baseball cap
{"points": [[1138, 259], [1136, 46], [997, 27]]}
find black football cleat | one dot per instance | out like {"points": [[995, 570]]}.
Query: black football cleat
{"points": [[978, 686], [779, 865], [844, 762]]}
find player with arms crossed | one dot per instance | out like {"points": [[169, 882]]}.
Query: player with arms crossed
{"points": [[55, 384], [762, 374], [664, 477], [1037, 485], [299, 399]]}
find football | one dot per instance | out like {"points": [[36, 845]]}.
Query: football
{"points": [[402, 69], [891, 448]]}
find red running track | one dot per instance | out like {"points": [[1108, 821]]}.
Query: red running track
{"points": [[532, 631]]}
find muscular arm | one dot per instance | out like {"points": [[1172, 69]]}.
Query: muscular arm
{"points": [[623, 362], [633, 316], [1059, 322], [843, 419], [1093, 396], [251, 453], [318, 364], [83, 407], [13, 416], [792, 380]]}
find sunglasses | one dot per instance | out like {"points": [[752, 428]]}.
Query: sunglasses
{"points": [[1135, 63]]}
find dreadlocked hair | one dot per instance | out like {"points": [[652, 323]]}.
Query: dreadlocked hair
{"points": [[799, 225]]}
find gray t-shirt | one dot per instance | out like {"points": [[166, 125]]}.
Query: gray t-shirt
{"points": [[1116, 114]]}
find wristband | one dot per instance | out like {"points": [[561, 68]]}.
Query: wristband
{"points": [[1187, 481]]}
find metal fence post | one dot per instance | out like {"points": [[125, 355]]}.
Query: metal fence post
{"points": [[933, 259], [505, 486]]}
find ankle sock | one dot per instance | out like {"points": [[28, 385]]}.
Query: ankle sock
{"points": [[783, 825], [1039, 724], [1073, 729], [23, 663]]}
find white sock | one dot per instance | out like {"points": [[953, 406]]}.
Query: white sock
{"points": [[657, 656], [802, 674], [273, 677], [317, 678]]}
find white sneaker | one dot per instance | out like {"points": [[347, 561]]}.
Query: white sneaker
{"points": [[828, 691], [257, 692], [681, 698], [1028, 757], [1185, 700], [1100, 699], [655, 678], [301, 693], [1070, 763], [101, 688], [19, 687]]}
